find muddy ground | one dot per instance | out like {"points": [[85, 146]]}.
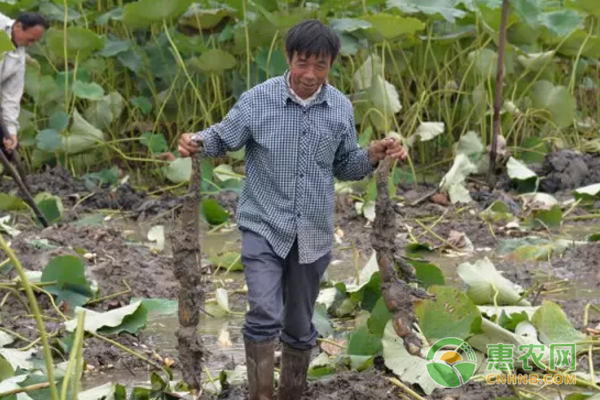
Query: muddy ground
{"points": [[117, 258], [115, 263], [374, 384], [579, 265]]}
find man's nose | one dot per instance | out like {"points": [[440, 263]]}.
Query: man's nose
{"points": [[310, 73]]}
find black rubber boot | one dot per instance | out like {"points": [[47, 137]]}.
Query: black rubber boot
{"points": [[260, 360], [294, 367]]}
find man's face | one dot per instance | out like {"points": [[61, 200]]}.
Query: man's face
{"points": [[307, 74], [27, 38]]}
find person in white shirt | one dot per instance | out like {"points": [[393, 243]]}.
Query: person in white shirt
{"points": [[24, 31]]}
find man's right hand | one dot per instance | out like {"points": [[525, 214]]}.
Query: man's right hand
{"points": [[187, 146], [10, 142]]}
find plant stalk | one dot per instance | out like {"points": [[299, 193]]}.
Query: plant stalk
{"points": [[37, 314], [498, 96], [30, 388]]}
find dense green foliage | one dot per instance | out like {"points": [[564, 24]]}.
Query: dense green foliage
{"points": [[118, 81]]}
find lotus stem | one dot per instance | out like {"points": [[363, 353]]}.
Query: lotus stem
{"points": [[408, 390], [30, 388], [37, 315]]}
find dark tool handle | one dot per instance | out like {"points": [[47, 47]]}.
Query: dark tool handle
{"points": [[19, 176], [26, 195]]}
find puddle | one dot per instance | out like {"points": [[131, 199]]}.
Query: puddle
{"points": [[212, 242], [221, 336], [579, 231]]}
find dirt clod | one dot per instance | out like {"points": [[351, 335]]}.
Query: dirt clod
{"points": [[568, 169], [440, 199]]}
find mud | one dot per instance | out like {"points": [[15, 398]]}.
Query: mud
{"points": [[373, 384], [579, 265], [567, 169], [353, 386], [561, 171], [60, 182], [356, 228], [352, 225], [114, 262], [57, 180], [473, 391], [116, 258], [113, 259], [486, 199], [100, 355]]}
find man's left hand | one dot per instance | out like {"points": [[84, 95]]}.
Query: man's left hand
{"points": [[390, 147], [10, 142]]}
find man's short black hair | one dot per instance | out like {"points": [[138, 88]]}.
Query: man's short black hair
{"points": [[312, 37], [30, 20]]}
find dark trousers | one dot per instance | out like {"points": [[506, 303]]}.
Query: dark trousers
{"points": [[281, 293]]}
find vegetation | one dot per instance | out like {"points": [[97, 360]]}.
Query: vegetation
{"points": [[116, 82]]}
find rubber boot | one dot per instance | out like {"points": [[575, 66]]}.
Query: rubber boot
{"points": [[260, 363], [294, 367]]}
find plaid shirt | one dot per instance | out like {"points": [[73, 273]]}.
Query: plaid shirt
{"points": [[293, 153]]}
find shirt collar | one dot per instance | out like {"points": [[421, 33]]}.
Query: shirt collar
{"points": [[320, 96]]}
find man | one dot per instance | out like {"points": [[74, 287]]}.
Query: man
{"points": [[299, 134], [25, 31]]}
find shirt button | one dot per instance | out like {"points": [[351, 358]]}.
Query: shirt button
{"points": [[301, 175], [299, 215]]}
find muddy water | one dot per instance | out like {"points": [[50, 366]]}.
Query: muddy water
{"points": [[221, 337]]}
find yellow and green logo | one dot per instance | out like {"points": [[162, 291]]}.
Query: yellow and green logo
{"points": [[451, 362]]}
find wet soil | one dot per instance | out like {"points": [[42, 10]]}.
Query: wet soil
{"points": [[138, 204], [112, 261], [374, 384], [580, 266], [473, 391], [356, 228], [561, 171], [567, 169], [353, 386], [116, 258], [368, 385]]}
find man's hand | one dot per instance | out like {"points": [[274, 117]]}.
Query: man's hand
{"points": [[187, 146], [381, 149], [10, 142]]}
